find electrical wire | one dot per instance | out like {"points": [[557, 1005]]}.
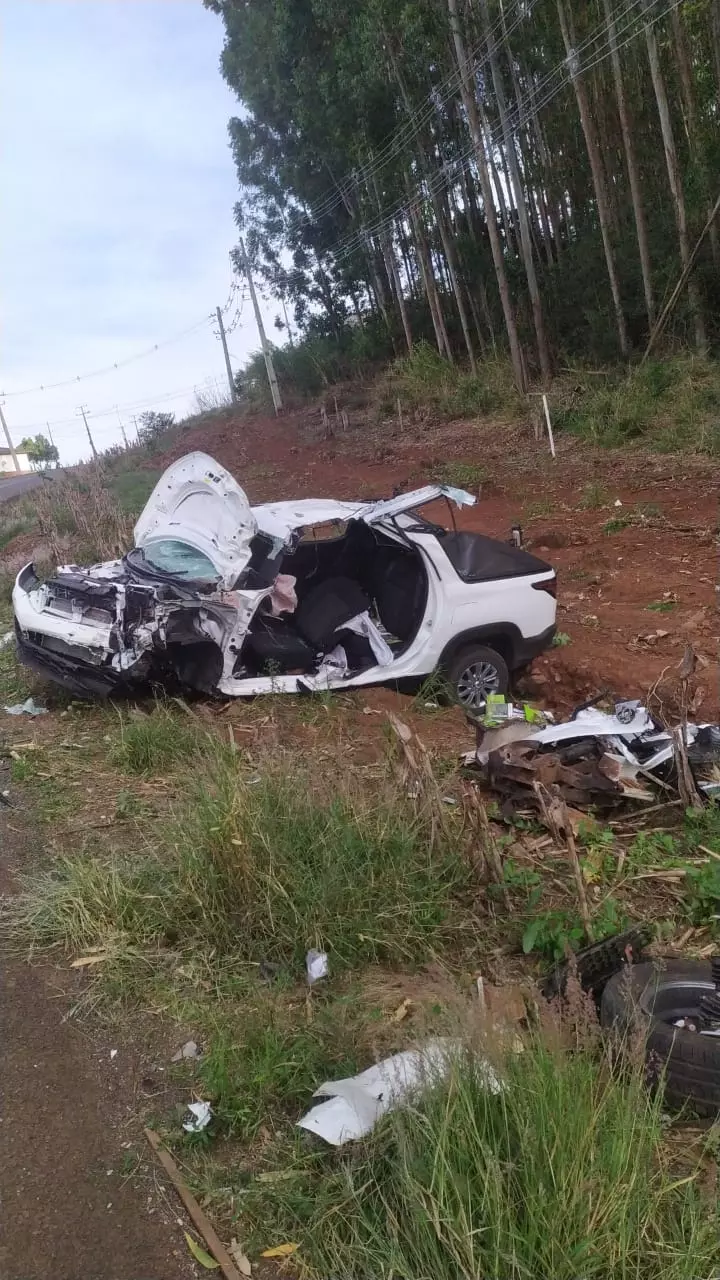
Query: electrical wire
{"points": [[97, 373]]}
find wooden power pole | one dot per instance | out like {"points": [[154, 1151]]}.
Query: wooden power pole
{"points": [[267, 349], [11, 446], [226, 353], [83, 412]]}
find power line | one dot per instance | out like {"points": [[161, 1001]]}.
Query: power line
{"points": [[119, 364]]}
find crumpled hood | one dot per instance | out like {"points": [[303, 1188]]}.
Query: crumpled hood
{"points": [[196, 501]]}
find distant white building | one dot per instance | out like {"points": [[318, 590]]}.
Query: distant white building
{"points": [[7, 463]]}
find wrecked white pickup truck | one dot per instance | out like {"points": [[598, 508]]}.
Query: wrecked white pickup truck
{"points": [[315, 594]]}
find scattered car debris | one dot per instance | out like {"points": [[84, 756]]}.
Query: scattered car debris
{"points": [[27, 708], [317, 965], [189, 1050], [288, 597], [596, 964], [596, 758], [356, 1104], [201, 1113]]}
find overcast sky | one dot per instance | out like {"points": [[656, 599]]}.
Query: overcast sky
{"points": [[116, 216]]}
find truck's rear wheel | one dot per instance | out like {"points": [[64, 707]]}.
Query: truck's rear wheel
{"points": [[473, 673]]}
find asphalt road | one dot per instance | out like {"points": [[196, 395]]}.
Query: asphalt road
{"points": [[14, 486]]}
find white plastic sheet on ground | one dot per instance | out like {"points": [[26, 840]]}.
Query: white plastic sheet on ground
{"points": [[356, 1104], [27, 708]]}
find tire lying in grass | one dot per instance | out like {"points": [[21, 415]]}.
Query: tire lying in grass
{"points": [[652, 998]]}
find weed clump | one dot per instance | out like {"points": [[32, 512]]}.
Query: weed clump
{"points": [[151, 744]]}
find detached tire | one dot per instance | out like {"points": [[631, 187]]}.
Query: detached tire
{"points": [[648, 998], [473, 673]]}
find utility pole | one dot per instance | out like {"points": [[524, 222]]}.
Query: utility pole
{"points": [[267, 350], [228, 366], [50, 434], [11, 447], [82, 411], [122, 427]]}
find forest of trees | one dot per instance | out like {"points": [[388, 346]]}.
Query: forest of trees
{"points": [[531, 175]]}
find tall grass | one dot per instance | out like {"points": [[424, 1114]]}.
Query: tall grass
{"points": [[666, 405], [280, 868], [560, 1175], [152, 743], [426, 381], [261, 868], [82, 511]]}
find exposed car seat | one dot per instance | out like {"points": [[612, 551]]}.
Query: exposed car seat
{"points": [[272, 642], [294, 643], [400, 590], [327, 607]]}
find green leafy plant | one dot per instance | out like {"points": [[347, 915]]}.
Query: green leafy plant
{"points": [[702, 893], [561, 639], [553, 933], [617, 524], [662, 606]]}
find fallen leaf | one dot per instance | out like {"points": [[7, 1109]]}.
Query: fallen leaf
{"points": [[201, 1255], [276, 1175], [241, 1260], [402, 1011], [83, 961], [280, 1251]]}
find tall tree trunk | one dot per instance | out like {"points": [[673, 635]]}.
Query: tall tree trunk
{"points": [[471, 109], [388, 248], [632, 167], [428, 276], [715, 40], [673, 172], [695, 144], [593, 151], [447, 243], [453, 272], [500, 201], [519, 194]]}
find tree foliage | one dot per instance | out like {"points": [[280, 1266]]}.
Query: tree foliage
{"points": [[479, 171], [40, 452], [152, 425]]}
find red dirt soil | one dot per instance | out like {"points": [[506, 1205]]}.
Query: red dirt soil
{"points": [[607, 580]]}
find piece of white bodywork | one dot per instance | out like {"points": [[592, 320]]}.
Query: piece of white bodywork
{"points": [[630, 724], [356, 1104], [363, 625], [282, 519], [201, 1113], [198, 503]]}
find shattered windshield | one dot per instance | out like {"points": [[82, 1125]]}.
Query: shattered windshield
{"points": [[180, 560]]}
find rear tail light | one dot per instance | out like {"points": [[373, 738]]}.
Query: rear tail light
{"points": [[549, 586]]}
